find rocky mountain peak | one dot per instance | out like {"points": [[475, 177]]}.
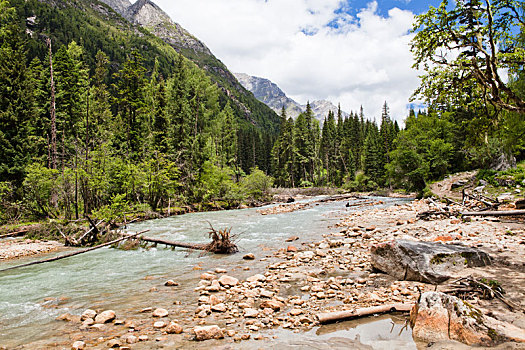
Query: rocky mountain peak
{"points": [[148, 14], [270, 94], [120, 6]]}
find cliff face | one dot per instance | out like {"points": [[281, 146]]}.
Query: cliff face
{"points": [[120, 6], [268, 92], [153, 18]]}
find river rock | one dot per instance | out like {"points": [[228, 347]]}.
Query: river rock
{"points": [[159, 324], [256, 278], [214, 287], [250, 313], [208, 332], [113, 343], [88, 314], [207, 276], [171, 283], [228, 281], [272, 304], [160, 312], [249, 256], [520, 204], [219, 307], [439, 316], [78, 345], [428, 262], [105, 316], [173, 328], [129, 339]]}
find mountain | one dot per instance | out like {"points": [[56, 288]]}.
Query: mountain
{"points": [[152, 18], [269, 93], [119, 28]]}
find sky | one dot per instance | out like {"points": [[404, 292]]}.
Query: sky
{"points": [[349, 52]]}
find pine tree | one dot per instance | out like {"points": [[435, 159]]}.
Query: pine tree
{"points": [[15, 98]]}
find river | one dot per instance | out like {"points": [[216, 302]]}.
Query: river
{"points": [[32, 297]]}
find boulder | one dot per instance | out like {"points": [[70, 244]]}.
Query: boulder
{"points": [[438, 316], [249, 256], [428, 262], [208, 332], [228, 281], [105, 316], [520, 204]]}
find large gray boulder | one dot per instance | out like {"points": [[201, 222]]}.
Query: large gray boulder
{"points": [[425, 261]]}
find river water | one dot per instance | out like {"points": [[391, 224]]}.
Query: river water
{"points": [[32, 297]]}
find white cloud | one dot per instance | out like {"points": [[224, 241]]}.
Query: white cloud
{"points": [[365, 61]]}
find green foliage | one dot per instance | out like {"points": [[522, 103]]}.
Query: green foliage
{"points": [[115, 210], [257, 184], [464, 47]]}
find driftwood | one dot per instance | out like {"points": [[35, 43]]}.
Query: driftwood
{"points": [[74, 253], [494, 213], [466, 287], [367, 311], [14, 234], [199, 246]]}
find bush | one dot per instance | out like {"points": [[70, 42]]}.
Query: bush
{"points": [[257, 184]]}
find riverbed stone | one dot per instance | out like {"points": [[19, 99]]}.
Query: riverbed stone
{"points": [[249, 256], [113, 343], [429, 262], [256, 278], [208, 332], [105, 316], [250, 313], [171, 283], [214, 287], [159, 324], [88, 314], [160, 312], [221, 307], [228, 281], [129, 339], [78, 345], [272, 304], [174, 328]]}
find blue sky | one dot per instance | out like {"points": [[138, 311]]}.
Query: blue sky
{"points": [[349, 52]]}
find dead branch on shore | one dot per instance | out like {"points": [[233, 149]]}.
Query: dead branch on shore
{"points": [[14, 234], [468, 287], [494, 213], [330, 317], [75, 253]]}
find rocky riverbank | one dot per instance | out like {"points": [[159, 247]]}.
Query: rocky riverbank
{"points": [[17, 248], [301, 281]]}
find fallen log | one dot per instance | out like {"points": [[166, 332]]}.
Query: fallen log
{"points": [[14, 234], [494, 213], [74, 253], [330, 317], [199, 246]]}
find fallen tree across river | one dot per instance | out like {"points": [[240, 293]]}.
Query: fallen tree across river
{"points": [[75, 253]]}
